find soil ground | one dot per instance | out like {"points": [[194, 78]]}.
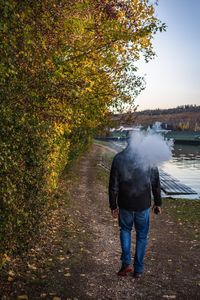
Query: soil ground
{"points": [[78, 254]]}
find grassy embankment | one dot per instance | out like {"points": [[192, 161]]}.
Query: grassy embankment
{"points": [[185, 212]]}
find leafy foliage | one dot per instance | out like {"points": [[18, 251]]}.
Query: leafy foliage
{"points": [[63, 65]]}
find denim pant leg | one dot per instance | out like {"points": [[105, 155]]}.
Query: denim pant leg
{"points": [[126, 219], [141, 222]]}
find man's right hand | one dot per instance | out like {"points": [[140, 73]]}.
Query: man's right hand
{"points": [[156, 209], [115, 213]]}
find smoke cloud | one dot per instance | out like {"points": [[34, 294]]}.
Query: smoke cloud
{"points": [[151, 150]]}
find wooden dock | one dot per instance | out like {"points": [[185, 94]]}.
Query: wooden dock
{"points": [[172, 186]]}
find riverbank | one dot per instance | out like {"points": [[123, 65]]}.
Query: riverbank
{"points": [[77, 255], [178, 137]]}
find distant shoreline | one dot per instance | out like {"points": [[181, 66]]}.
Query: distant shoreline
{"points": [[179, 137], [180, 119]]}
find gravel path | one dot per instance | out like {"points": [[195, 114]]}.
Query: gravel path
{"points": [[79, 257]]}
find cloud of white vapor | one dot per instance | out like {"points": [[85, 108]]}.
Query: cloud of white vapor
{"points": [[151, 149]]}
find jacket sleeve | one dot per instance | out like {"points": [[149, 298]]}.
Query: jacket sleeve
{"points": [[155, 184], [113, 185]]}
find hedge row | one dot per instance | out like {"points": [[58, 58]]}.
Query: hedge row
{"points": [[63, 64]]}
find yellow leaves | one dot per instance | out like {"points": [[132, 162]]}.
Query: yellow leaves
{"points": [[10, 278], [5, 258], [88, 90], [21, 16], [49, 64], [11, 275], [43, 44], [62, 79], [57, 158], [59, 128], [169, 296], [32, 267], [22, 297], [67, 275], [121, 15], [61, 258], [145, 41]]}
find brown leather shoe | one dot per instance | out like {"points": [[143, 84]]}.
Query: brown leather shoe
{"points": [[125, 269]]}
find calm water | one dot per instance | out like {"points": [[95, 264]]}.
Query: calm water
{"points": [[185, 165]]}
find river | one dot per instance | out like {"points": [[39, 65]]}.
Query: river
{"points": [[185, 165]]}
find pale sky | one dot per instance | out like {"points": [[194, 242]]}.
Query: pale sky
{"points": [[173, 77]]}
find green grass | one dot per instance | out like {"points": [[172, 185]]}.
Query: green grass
{"points": [[185, 212], [107, 158], [103, 175]]}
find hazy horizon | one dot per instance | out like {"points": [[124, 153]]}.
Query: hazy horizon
{"points": [[171, 107]]}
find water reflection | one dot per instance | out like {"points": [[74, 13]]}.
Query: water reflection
{"points": [[185, 165], [186, 150]]}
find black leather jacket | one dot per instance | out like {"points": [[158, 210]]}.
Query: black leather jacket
{"points": [[130, 185]]}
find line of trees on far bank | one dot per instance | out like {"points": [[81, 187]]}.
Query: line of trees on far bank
{"points": [[183, 118], [176, 110]]}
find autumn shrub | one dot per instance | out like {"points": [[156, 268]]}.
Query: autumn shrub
{"points": [[33, 154], [80, 141], [63, 65]]}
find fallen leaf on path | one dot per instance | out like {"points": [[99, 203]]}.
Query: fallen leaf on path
{"points": [[43, 295], [11, 273], [10, 278], [22, 297], [61, 258], [169, 296], [32, 267], [6, 257]]}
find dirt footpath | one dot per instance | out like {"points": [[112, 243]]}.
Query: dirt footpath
{"points": [[77, 257]]}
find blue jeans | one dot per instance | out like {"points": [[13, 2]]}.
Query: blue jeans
{"points": [[140, 220]]}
